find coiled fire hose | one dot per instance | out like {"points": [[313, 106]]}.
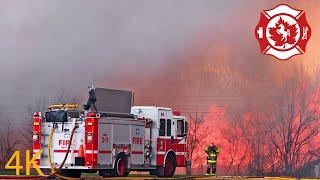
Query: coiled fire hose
{"points": [[53, 171]]}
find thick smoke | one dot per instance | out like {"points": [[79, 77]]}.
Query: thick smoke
{"points": [[188, 55]]}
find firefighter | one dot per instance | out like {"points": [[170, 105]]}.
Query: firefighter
{"points": [[212, 152], [91, 103]]}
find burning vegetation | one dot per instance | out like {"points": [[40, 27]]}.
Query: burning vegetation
{"points": [[274, 137], [264, 114]]}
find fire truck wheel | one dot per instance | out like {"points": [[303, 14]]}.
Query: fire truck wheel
{"points": [[71, 173], [121, 168], [169, 166]]}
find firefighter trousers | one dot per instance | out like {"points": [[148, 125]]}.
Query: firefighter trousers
{"points": [[211, 166]]}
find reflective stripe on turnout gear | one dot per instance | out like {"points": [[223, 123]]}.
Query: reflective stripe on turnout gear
{"points": [[212, 161], [213, 174]]}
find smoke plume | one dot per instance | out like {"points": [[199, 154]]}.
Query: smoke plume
{"points": [[186, 55]]}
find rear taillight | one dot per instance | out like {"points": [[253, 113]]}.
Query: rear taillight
{"points": [[89, 137], [35, 137]]}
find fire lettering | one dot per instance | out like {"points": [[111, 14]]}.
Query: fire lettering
{"points": [[105, 138], [137, 140], [260, 32], [64, 142]]}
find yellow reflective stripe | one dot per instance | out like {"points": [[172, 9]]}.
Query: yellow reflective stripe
{"points": [[55, 106], [70, 106], [60, 106], [211, 161]]}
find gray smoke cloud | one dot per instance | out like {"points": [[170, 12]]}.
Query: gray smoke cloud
{"points": [[51, 46]]}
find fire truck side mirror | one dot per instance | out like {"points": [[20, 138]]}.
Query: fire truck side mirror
{"points": [[184, 134]]}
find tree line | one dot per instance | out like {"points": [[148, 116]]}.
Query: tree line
{"points": [[277, 137]]}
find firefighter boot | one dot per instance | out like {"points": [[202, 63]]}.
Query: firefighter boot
{"points": [[208, 169], [213, 170]]}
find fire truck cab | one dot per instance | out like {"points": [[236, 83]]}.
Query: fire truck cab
{"points": [[166, 135], [150, 138]]}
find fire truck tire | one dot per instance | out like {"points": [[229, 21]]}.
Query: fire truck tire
{"points": [[70, 173], [169, 166], [121, 166]]}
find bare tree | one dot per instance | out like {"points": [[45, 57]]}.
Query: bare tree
{"points": [[41, 105], [197, 133], [8, 141], [233, 147], [246, 144], [280, 135], [295, 124]]}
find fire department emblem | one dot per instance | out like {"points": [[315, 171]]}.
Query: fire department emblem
{"points": [[283, 32]]}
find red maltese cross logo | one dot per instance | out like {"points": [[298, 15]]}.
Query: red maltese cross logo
{"points": [[283, 32]]}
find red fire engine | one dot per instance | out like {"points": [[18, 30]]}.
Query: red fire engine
{"points": [[149, 138]]}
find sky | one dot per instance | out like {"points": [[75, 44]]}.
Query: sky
{"points": [[168, 52]]}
